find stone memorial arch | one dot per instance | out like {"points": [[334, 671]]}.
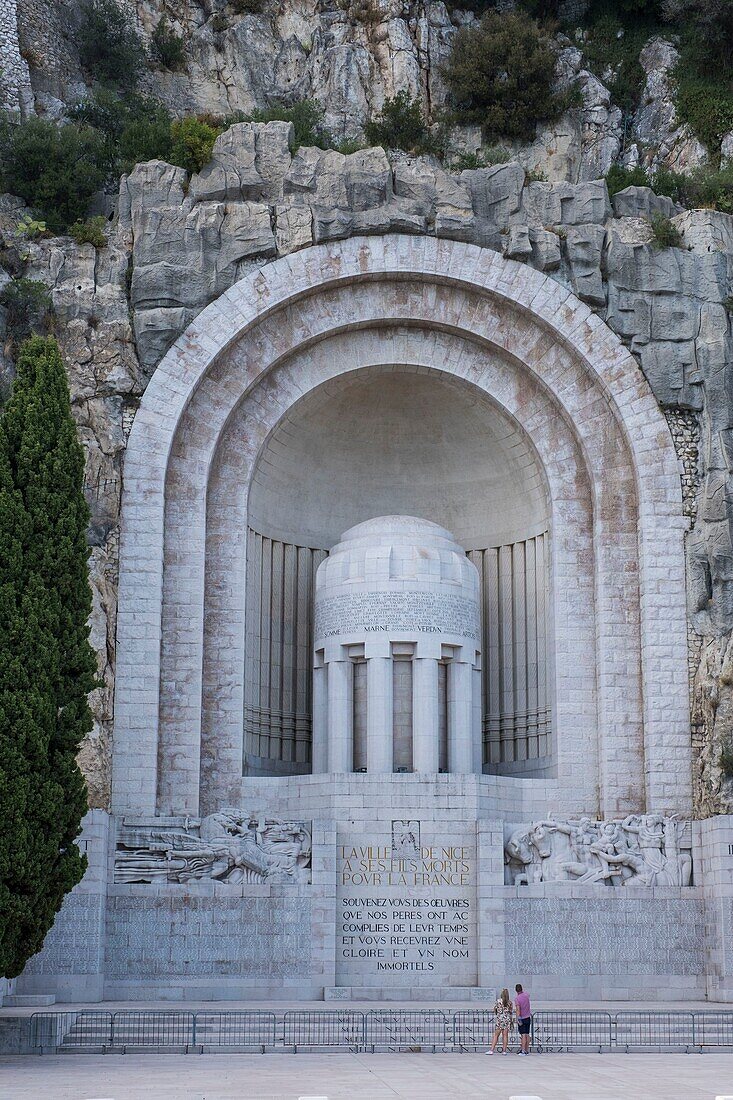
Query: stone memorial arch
{"points": [[422, 377]]}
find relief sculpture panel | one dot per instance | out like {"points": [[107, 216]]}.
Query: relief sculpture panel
{"points": [[640, 850], [228, 846]]}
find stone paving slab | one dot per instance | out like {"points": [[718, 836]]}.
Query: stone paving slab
{"points": [[367, 1077]]}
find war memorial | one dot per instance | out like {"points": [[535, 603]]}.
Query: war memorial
{"points": [[401, 696], [407, 463]]}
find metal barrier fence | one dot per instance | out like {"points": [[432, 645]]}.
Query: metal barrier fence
{"points": [[305, 1030], [582, 1030], [242, 1030], [400, 1029], [663, 1030], [378, 1029]]}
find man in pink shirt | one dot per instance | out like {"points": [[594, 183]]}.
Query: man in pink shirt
{"points": [[524, 1018]]}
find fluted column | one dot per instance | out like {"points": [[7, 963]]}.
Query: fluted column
{"points": [[340, 716], [319, 752], [379, 715], [477, 738], [425, 715], [460, 717]]}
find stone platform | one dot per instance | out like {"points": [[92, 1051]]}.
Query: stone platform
{"points": [[372, 1076], [361, 920]]}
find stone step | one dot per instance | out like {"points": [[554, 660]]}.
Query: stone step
{"points": [[29, 1000]]}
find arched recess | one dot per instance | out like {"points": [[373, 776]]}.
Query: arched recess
{"points": [[513, 333], [375, 439]]}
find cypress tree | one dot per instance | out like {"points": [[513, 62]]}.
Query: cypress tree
{"points": [[47, 666]]}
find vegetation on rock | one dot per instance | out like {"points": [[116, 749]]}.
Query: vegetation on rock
{"points": [[401, 125], [167, 47], [27, 304], [306, 117], [135, 128], [90, 232], [705, 187], [709, 28], [501, 75], [109, 46], [56, 169], [664, 232], [47, 666], [192, 142]]}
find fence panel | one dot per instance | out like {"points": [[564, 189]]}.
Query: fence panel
{"points": [[572, 1030], [655, 1030], [409, 1028], [342, 1028], [714, 1029], [249, 1029], [83, 1030], [141, 1028], [473, 1029]]}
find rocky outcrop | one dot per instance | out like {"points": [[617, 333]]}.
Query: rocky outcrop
{"points": [[661, 138], [348, 55]]}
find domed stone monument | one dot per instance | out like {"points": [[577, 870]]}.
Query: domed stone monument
{"points": [[397, 678]]}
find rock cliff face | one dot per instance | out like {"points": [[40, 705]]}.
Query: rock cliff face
{"points": [[177, 242], [349, 55]]}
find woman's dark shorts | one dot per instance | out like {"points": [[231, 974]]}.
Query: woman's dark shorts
{"points": [[523, 1025]]}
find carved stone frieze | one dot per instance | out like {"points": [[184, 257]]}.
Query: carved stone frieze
{"points": [[640, 850], [231, 846]]}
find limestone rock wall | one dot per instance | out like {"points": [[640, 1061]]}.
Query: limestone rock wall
{"points": [[178, 242], [349, 55], [16, 95]]}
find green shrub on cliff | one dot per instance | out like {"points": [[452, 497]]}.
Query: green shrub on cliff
{"points": [[27, 304], [47, 666], [167, 47], [56, 169], [109, 46], [500, 74], [306, 117], [192, 142], [135, 128], [400, 125]]}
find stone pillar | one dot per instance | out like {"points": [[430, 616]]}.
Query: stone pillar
{"points": [[460, 717], [477, 744], [425, 715], [319, 752], [340, 716], [379, 715]]}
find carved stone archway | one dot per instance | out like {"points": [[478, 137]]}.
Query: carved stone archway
{"points": [[495, 326]]}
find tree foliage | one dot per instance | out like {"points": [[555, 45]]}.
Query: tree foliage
{"points": [[168, 47], [306, 116], [56, 169], [400, 125], [109, 46], [135, 128], [192, 143], [27, 304], [709, 30], [500, 74], [47, 666]]}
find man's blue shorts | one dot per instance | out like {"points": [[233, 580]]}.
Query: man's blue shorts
{"points": [[523, 1025]]}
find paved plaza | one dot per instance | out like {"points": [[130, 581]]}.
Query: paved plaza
{"points": [[368, 1077]]}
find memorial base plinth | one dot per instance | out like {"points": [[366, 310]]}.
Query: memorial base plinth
{"points": [[405, 899]]}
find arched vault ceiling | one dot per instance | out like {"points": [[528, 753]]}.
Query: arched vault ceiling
{"points": [[384, 441]]}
